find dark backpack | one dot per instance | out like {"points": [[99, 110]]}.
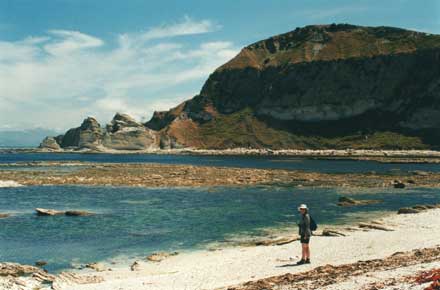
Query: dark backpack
{"points": [[313, 225]]}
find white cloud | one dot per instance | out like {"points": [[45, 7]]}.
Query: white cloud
{"points": [[57, 79], [186, 27], [67, 42]]}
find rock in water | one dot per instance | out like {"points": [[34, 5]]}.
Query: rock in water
{"points": [[417, 208], [98, 267], [398, 184], [40, 263], [348, 201], [78, 213], [46, 212], [4, 215], [406, 210]]}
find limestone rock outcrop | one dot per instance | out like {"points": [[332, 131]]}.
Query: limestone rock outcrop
{"points": [[122, 133]]}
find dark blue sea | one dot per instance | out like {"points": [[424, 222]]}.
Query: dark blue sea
{"points": [[267, 162]]}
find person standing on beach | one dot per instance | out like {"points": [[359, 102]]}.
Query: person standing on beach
{"points": [[305, 234]]}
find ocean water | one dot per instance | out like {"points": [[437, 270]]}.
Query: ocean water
{"points": [[268, 162], [135, 222]]}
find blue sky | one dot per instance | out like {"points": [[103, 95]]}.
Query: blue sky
{"points": [[62, 60]]}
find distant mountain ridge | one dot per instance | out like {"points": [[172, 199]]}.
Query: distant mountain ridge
{"points": [[14, 138], [320, 86]]}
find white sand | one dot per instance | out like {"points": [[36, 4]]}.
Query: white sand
{"points": [[209, 270]]}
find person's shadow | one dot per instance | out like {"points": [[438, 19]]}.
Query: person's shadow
{"points": [[288, 265]]}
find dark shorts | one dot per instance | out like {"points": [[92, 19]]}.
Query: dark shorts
{"points": [[303, 240]]}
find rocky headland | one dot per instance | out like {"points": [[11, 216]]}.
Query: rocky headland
{"points": [[316, 87]]}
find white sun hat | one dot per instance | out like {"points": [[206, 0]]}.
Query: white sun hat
{"points": [[302, 206]]}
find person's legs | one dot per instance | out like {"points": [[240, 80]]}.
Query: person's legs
{"points": [[303, 254], [304, 251], [307, 252]]}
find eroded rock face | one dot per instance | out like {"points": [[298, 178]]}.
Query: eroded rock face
{"points": [[50, 143], [88, 135], [124, 133]]}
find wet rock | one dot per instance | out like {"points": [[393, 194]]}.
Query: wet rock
{"points": [[348, 201], [16, 270], [277, 242], [374, 227], [52, 212], [421, 207], [98, 267], [420, 173], [4, 215], [78, 213], [48, 212], [332, 233], [398, 184], [417, 208], [158, 257], [40, 263]]}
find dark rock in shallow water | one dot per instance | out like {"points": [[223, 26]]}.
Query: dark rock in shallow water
{"points": [[48, 212], [417, 208], [4, 215], [398, 184], [98, 267], [40, 263], [52, 212], [406, 210], [78, 213], [348, 201]]}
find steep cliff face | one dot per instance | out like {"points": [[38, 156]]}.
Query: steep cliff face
{"points": [[322, 86]]}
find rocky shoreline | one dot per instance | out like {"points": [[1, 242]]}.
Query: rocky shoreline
{"points": [[409, 156], [165, 175], [361, 267], [327, 275]]}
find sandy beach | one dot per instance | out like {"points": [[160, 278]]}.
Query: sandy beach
{"points": [[235, 266]]}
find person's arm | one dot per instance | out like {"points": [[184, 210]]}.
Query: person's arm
{"points": [[307, 231]]}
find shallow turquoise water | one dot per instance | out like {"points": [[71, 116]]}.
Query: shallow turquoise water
{"points": [[134, 222]]}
